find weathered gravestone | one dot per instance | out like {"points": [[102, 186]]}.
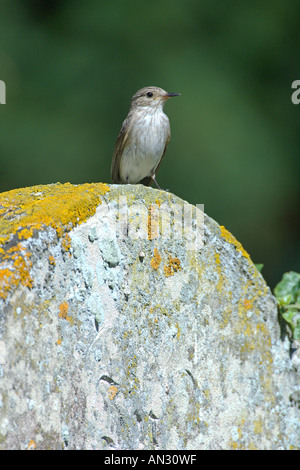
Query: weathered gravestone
{"points": [[131, 320]]}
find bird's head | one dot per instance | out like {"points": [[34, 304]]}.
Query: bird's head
{"points": [[151, 97]]}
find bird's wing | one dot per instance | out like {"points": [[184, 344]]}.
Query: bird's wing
{"points": [[164, 152], [118, 151]]}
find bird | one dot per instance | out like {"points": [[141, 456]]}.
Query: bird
{"points": [[143, 139]]}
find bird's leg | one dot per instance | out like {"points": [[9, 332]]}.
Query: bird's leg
{"points": [[153, 179]]}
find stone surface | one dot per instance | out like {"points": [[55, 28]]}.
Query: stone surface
{"points": [[131, 320]]}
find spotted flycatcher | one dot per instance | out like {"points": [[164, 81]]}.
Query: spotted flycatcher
{"points": [[143, 139]]}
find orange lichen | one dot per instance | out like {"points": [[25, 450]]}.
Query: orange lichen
{"points": [[66, 242], [51, 260], [172, 267], [156, 260], [23, 211], [112, 392], [231, 239], [6, 276], [15, 272], [31, 445], [178, 330], [59, 206], [63, 310], [24, 234], [217, 258], [248, 304]]}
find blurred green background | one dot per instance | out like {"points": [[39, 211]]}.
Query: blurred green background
{"points": [[71, 67]]}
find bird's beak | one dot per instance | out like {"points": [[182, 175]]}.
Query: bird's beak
{"points": [[169, 95]]}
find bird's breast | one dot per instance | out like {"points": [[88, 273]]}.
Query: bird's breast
{"points": [[145, 146], [150, 132]]}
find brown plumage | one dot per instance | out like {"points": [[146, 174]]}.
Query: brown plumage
{"points": [[143, 138]]}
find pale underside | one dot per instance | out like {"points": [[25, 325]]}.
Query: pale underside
{"points": [[140, 146]]}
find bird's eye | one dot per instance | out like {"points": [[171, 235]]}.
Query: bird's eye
{"points": [[149, 94]]}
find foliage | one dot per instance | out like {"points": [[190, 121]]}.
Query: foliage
{"points": [[259, 267], [287, 293]]}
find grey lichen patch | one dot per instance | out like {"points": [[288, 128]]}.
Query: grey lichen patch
{"points": [[189, 290], [110, 252], [95, 306], [131, 342], [93, 235]]}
